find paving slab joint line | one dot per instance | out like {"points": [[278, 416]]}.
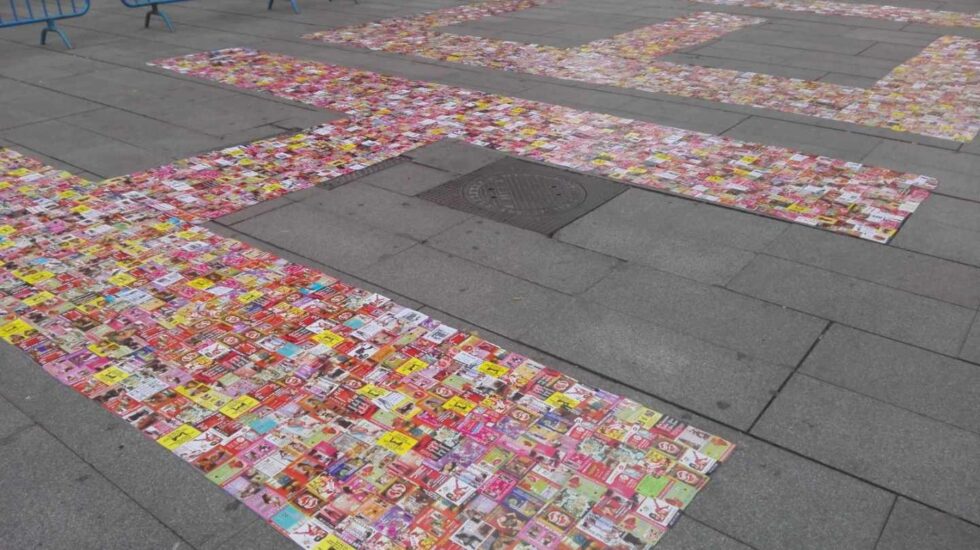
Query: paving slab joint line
{"points": [[43, 428], [887, 337], [52, 119], [888, 403], [786, 380], [689, 517], [76, 169], [137, 113], [765, 252], [686, 410], [966, 337], [9, 438], [884, 525]]}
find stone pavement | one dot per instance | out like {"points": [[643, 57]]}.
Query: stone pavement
{"points": [[845, 371]]}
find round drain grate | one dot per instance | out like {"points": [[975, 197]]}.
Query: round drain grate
{"points": [[523, 194]]}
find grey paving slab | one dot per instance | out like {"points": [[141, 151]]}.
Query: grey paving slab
{"points": [[910, 454], [850, 81], [761, 34], [959, 31], [490, 298], [137, 90], [143, 132], [769, 498], [525, 254], [454, 156], [746, 51], [226, 115], [33, 65], [691, 117], [408, 178], [922, 321], [930, 384], [366, 205], [971, 346], [169, 489], [842, 63], [11, 419], [84, 148], [956, 172], [690, 534], [892, 37], [49, 498], [22, 104], [887, 265], [719, 383], [894, 52], [762, 65], [323, 237], [806, 138], [133, 52], [592, 100], [751, 326], [690, 239], [913, 526], [501, 82], [945, 227]]}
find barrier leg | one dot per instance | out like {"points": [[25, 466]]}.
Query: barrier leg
{"points": [[155, 10], [52, 27]]}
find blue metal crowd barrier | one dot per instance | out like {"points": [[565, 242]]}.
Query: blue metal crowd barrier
{"points": [[154, 10], [26, 12], [291, 3]]}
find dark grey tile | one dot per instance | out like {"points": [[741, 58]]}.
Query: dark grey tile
{"points": [[485, 296], [330, 240], [454, 156], [525, 254], [717, 382], [694, 240], [956, 172], [408, 178], [905, 452], [11, 419], [49, 498], [370, 206], [945, 227], [913, 526], [690, 534], [769, 498], [922, 321], [86, 149], [738, 322], [803, 137], [934, 385], [971, 346], [916, 273]]}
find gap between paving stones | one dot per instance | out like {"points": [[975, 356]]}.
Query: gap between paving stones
{"points": [[795, 368], [80, 458]]}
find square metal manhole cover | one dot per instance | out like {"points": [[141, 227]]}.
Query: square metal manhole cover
{"points": [[525, 194]]}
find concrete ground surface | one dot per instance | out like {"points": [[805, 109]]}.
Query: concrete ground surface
{"points": [[847, 372]]}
